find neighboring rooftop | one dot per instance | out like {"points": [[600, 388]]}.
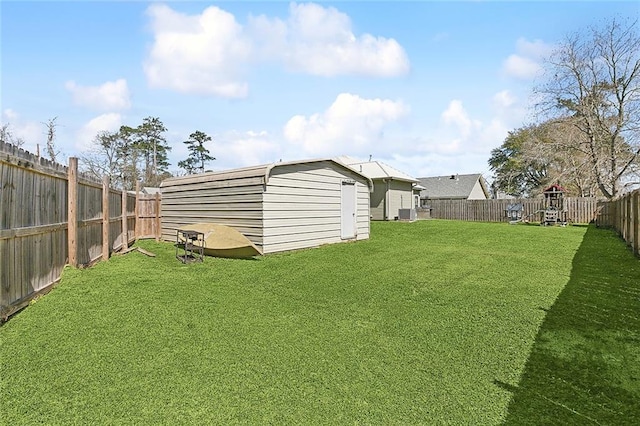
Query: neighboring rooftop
{"points": [[451, 186], [375, 169]]}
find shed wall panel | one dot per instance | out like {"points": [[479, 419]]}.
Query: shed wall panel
{"points": [[363, 213], [303, 206], [302, 244], [299, 206], [236, 203], [170, 186]]}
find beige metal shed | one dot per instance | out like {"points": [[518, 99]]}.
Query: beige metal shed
{"points": [[281, 206]]}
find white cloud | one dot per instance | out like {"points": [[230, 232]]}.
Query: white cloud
{"points": [[203, 54], [521, 67], [493, 133], [440, 164], [462, 134], [525, 64], [351, 125], [457, 116], [504, 99], [105, 122], [242, 149], [30, 132], [9, 115], [509, 109], [320, 41], [209, 53], [109, 96], [536, 49], [232, 149]]}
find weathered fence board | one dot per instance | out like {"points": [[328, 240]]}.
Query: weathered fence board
{"points": [[36, 198], [33, 225], [623, 215], [579, 210], [149, 215]]}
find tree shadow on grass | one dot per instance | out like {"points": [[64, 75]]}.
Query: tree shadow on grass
{"points": [[584, 367]]}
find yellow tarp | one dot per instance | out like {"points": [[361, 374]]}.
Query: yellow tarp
{"points": [[224, 241]]}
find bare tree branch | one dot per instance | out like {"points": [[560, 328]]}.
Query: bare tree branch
{"points": [[593, 81]]}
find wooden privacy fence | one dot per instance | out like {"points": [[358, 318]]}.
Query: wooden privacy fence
{"points": [[579, 210], [148, 219], [623, 215], [51, 216]]}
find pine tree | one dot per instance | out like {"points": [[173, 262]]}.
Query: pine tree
{"points": [[199, 155], [153, 146]]}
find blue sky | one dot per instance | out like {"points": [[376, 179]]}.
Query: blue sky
{"points": [[427, 87]]}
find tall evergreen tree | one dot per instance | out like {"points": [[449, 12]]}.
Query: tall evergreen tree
{"points": [[154, 149], [199, 155], [114, 154]]}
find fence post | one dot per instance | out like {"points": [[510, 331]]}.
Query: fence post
{"points": [[137, 210], [621, 216], [125, 231], [72, 211], [158, 222], [627, 215], [105, 218], [629, 231], [636, 222]]}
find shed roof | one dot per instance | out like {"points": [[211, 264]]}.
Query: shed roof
{"points": [[451, 186], [376, 169], [262, 171]]}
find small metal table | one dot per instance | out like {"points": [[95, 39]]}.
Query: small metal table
{"points": [[189, 246]]}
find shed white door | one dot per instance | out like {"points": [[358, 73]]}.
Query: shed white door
{"points": [[348, 216]]}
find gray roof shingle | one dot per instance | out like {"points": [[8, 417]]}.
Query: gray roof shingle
{"points": [[451, 186]]}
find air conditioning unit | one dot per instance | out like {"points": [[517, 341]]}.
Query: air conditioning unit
{"points": [[407, 214]]}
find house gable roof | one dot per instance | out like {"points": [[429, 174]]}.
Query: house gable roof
{"points": [[376, 169], [451, 186]]}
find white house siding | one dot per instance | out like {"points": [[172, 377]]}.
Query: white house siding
{"points": [[235, 200], [302, 206], [477, 193], [395, 194], [400, 197], [378, 200]]}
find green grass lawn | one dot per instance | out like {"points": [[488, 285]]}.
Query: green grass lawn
{"points": [[585, 364], [426, 322]]}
